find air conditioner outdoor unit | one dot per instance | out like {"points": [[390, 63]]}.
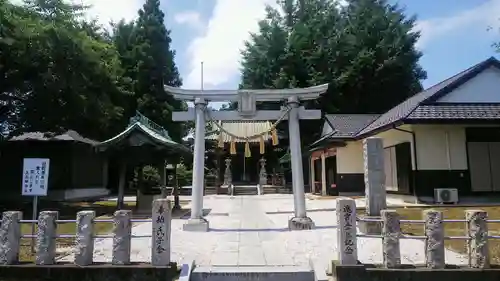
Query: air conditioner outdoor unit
{"points": [[446, 195]]}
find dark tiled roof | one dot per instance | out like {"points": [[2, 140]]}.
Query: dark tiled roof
{"points": [[345, 126], [348, 125], [404, 109], [48, 136], [456, 111]]}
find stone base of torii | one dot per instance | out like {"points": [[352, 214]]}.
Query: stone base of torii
{"points": [[247, 111]]}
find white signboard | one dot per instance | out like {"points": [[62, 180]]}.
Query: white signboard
{"points": [[35, 176]]}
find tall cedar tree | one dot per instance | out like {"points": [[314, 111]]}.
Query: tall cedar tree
{"points": [[364, 50], [146, 54]]}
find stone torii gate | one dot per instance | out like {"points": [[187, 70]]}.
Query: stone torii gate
{"points": [[247, 111]]}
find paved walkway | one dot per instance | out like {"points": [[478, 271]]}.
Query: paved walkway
{"points": [[252, 230]]}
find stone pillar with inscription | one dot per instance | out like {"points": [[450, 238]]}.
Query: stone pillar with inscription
{"points": [[162, 218], [477, 230], [346, 231], [375, 194]]}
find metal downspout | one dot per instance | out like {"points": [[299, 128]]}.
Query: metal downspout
{"points": [[414, 155]]}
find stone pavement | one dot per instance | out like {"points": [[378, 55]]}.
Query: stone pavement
{"points": [[252, 230]]}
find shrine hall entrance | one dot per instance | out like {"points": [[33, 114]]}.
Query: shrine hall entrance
{"points": [[245, 170], [242, 145]]}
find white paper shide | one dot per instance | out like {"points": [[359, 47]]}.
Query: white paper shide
{"points": [[35, 176]]}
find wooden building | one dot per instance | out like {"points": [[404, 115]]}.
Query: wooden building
{"points": [[142, 143], [77, 171], [445, 137]]}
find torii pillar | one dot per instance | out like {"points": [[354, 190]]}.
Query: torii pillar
{"points": [[197, 222], [300, 220]]}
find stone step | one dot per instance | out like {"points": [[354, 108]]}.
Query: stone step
{"points": [[210, 191], [272, 190], [185, 191], [245, 190], [252, 273], [188, 191]]}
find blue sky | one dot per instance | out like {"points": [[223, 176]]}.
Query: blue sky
{"points": [[454, 34]]}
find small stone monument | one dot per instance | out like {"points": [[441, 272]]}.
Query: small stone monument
{"points": [[228, 177], [346, 231], [375, 194], [262, 173]]}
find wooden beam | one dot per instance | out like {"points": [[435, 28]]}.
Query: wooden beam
{"points": [[260, 115]]}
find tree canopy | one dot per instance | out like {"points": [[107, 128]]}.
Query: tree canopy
{"points": [[60, 71], [148, 60], [365, 50]]}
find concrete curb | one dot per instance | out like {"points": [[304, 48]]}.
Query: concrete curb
{"points": [[186, 270]]}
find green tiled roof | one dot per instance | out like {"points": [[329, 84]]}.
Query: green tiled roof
{"points": [[156, 133]]}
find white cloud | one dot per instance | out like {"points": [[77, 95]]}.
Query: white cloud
{"points": [[219, 46], [483, 15], [106, 11], [190, 18]]}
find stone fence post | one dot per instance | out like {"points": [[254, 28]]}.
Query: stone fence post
{"points": [[434, 244], [477, 245], [46, 238], [391, 232], [84, 248], [10, 237], [122, 235], [161, 222], [346, 231]]}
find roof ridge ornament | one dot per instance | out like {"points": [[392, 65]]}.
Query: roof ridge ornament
{"points": [[150, 124]]}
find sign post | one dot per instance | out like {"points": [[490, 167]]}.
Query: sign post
{"points": [[35, 183]]}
